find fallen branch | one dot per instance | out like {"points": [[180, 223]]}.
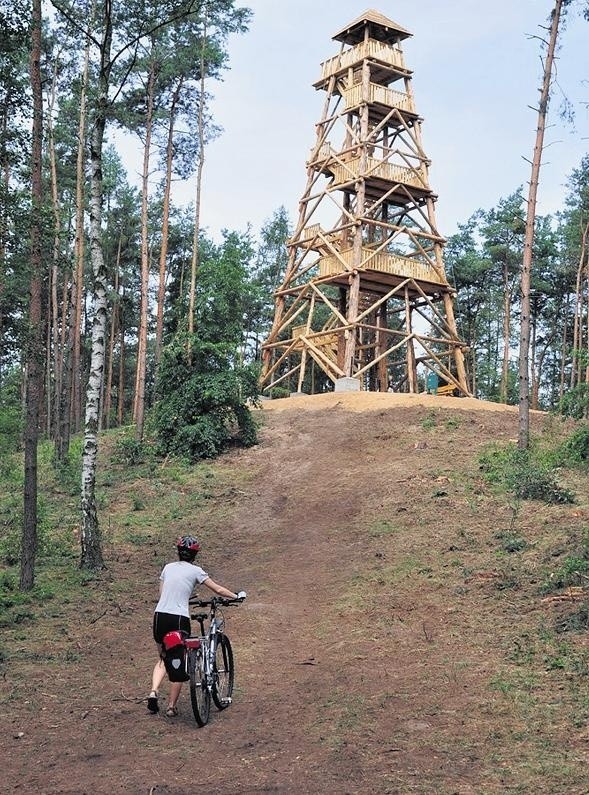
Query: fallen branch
{"points": [[573, 594]]}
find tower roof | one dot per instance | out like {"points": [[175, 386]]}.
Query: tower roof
{"points": [[381, 28]]}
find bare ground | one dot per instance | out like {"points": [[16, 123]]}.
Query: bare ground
{"points": [[386, 645]]}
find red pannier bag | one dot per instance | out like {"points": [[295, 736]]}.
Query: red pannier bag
{"points": [[175, 655]]}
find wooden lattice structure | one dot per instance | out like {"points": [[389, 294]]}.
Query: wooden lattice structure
{"points": [[365, 293]]}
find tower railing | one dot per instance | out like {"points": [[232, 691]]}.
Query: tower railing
{"points": [[396, 264], [378, 169], [378, 94], [371, 48]]}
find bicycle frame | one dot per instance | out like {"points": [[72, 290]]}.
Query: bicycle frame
{"points": [[208, 640]]}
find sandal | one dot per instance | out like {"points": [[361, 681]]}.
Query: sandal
{"points": [[152, 704], [172, 712]]}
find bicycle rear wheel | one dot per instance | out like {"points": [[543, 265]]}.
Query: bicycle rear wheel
{"points": [[200, 696], [223, 673]]}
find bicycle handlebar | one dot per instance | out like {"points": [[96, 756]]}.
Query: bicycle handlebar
{"points": [[216, 600]]}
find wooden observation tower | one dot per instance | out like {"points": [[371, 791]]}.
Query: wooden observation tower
{"points": [[365, 294]]}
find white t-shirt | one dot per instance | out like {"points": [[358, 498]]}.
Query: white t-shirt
{"points": [[179, 579]]}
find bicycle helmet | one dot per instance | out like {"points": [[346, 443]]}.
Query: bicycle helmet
{"points": [[187, 547]]}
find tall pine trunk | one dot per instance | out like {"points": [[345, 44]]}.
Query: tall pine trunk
{"points": [[506, 334], [523, 438], [112, 337], [578, 317], [54, 353], [201, 161], [159, 331], [34, 355], [75, 383], [140, 377]]}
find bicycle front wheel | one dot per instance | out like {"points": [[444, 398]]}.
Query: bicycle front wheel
{"points": [[223, 673], [200, 696]]}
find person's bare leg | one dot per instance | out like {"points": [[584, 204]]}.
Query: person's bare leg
{"points": [[175, 688], [157, 677], [159, 672]]}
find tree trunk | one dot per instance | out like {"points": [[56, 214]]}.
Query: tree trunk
{"points": [[78, 285], [506, 334], [121, 392], [578, 317], [112, 336], [201, 160], [523, 439], [535, 386], [165, 225], [139, 402], [35, 332], [563, 349], [90, 531], [63, 437], [54, 419], [584, 259]]}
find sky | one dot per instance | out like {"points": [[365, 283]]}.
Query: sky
{"points": [[476, 70]]}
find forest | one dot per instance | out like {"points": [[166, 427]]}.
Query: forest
{"points": [[118, 308]]}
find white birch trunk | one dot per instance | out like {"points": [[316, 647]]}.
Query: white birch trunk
{"points": [[90, 529]]}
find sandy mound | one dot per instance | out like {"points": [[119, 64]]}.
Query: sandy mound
{"points": [[378, 401]]}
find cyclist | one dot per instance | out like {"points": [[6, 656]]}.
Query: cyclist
{"points": [[177, 581]]}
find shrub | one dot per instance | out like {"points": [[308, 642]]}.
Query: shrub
{"points": [[510, 542], [575, 403], [521, 473], [202, 406], [129, 450], [279, 392], [575, 450]]}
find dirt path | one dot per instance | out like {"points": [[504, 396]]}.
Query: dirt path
{"points": [[361, 663]]}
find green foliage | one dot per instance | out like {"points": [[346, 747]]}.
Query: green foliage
{"points": [[68, 470], [510, 542], [575, 403], [279, 392], [10, 428], [11, 523], [573, 571], [202, 406], [575, 450], [430, 421], [523, 473], [130, 451]]}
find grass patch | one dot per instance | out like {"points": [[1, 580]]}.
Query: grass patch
{"points": [[429, 422], [572, 572], [511, 542], [342, 715], [382, 527]]}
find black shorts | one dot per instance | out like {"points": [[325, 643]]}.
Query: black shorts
{"points": [[168, 622]]}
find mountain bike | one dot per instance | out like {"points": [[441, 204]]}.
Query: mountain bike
{"points": [[209, 659]]}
